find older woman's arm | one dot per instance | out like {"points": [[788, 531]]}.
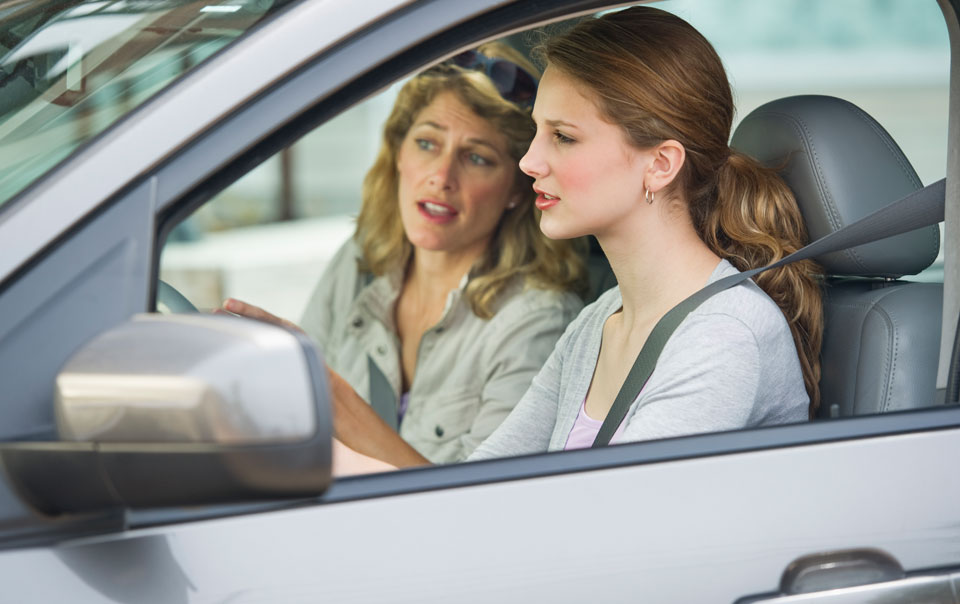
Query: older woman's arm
{"points": [[359, 427], [527, 331]]}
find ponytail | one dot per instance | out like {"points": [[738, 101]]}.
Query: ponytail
{"points": [[755, 221]]}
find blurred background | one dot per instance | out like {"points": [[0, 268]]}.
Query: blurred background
{"points": [[267, 238]]}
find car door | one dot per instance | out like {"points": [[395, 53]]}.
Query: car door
{"points": [[705, 518]]}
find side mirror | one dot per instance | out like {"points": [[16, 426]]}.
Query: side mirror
{"points": [[182, 410]]}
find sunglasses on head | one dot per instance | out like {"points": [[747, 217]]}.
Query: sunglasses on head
{"points": [[514, 83]]}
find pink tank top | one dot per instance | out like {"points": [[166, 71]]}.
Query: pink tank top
{"points": [[585, 429]]}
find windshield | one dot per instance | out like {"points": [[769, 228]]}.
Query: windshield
{"points": [[69, 69]]}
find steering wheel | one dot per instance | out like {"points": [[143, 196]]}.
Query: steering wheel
{"points": [[170, 301]]}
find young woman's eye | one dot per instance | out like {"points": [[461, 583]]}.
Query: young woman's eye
{"points": [[478, 160], [425, 144], [562, 138]]}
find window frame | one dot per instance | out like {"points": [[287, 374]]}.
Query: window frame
{"points": [[369, 80]]}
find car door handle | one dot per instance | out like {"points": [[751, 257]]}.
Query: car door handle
{"points": [[856, 576]]}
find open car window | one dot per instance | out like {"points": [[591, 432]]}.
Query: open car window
{"points": [[267, 237]]}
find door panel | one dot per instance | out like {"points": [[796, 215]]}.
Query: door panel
{"points": [[700, 530]]}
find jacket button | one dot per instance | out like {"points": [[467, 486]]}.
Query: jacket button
{"points": [[358, 322], [439, 431], [439, 330], [381, 350]]}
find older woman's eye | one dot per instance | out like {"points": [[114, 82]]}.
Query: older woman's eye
{"points": [[425, 144], [479, 160], [562, 138]]}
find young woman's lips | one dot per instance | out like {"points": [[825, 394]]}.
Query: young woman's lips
{"points": [[436, 212], [545, 201]]}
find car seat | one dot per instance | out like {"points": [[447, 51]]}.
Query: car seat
{"points": [[882, 334]]}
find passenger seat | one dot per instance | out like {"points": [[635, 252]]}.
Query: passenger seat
{"points": [[882, 335]]}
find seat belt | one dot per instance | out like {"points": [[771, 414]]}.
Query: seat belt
{"points": [[921, 208], [382, 398]]}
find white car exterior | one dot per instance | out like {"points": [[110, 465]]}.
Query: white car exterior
{"points": [[711, 518]]}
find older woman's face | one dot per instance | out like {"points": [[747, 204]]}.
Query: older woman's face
{"points": [[456, 178]]}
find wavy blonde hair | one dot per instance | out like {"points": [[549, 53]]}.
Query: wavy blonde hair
{"points": [[659, 79], [517, 248]]}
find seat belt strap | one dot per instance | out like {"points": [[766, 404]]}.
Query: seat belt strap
{"points": [[382, 397], [921, 208]]}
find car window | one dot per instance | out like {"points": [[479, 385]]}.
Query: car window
{"points": [[268, 237], [892, 60], [68, 70], [894, 64]]}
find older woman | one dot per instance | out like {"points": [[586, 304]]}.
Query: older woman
{"points": [[448, 299]]}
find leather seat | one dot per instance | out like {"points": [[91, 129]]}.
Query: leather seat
{"points": [[882, 334]]}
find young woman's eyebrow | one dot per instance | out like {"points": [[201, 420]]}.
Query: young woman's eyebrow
{"points": [[560, 124]]}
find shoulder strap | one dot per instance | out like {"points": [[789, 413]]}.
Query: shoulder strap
{"points": [[921, 208]]}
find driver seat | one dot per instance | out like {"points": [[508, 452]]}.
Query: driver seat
{"points": [[881, 337]]}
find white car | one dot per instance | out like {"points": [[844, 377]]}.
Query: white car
{"points": [[119, 118]]}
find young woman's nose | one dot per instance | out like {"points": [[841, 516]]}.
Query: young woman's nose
{"points": [[532, 163]]}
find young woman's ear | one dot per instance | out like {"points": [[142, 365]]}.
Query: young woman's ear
{"points": [[668, 158]]}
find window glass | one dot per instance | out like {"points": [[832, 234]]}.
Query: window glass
{"points": [[892, 60], [267, 237], [68, 70]]}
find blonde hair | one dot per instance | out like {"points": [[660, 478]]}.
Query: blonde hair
{"points": [[659, 79], [517, 248]]}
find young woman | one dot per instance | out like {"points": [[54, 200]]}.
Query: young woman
{"points": [[448, 299], [633, 117]]}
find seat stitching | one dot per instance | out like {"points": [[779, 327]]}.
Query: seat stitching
{"points": [[807, 140], [892, 354], [890, 145]]}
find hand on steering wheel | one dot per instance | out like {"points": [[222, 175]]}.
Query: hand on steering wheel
{"points": [[240, 308]]}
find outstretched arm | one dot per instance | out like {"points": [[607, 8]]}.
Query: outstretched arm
{"points": [[361, 429], [356, 424]]}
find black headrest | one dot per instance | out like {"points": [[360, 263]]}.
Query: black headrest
{"points": [[841, 165]]}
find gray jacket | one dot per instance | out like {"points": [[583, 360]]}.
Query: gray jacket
{"points": [[470, 371], [730, 364]]}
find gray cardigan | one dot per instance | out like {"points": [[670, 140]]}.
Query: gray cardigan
{"points": [[731, 364]]}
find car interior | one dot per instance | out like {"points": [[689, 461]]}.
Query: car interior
{"points": [[841, 165]]}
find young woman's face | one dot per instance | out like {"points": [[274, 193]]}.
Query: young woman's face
{"points": [[587, 177], [456, 178]]}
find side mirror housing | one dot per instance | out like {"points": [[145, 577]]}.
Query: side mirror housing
{"points": [[191, 409]]}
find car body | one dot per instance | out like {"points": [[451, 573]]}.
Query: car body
{"points": [[706, 518]]}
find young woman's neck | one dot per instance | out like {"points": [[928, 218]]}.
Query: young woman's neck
{"points": [[658, 260]]}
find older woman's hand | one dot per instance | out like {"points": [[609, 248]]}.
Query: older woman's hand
{"points": [[243, 309], [347, 462]]}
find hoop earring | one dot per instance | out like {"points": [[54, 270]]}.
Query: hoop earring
{"points": [[647, 195]]}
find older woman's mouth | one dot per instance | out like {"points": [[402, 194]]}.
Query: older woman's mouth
{"points": [[436, 212]]}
